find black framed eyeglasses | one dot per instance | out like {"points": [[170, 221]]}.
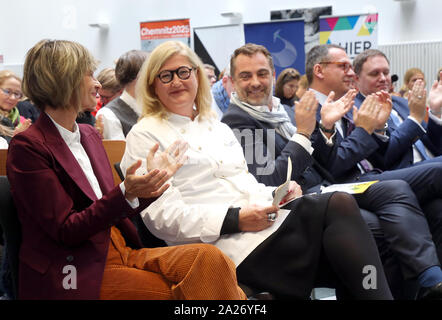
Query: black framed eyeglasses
{"points": [[344, 65], [10, 93], [182, 72]]}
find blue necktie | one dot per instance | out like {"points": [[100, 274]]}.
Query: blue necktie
{"points": [[418, 144]]}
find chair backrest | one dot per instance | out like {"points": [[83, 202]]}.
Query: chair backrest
{"points": [[11, 229], [115, 151], [3, 156]]}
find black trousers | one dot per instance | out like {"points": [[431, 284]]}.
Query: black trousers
{"points": [[323, 242]]}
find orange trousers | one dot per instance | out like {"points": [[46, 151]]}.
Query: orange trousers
{"points": [[192, 272]]}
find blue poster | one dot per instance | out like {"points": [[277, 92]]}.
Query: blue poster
{"points": [[284, 40]]}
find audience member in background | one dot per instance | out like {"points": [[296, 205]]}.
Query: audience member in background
{"points": [[28, 110], [78, 241], [110, 87], [302, 86], [86, 116], [10, 95], [408, 139], [410, 77], [214, 199], [122, 113], [287, 85], [222, 89], [210, 71]]}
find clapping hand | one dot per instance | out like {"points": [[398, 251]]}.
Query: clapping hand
{"points": [[170, 160], [435, 97], [332, 111], [417, 101], [367, 115], [305, 113], [385, 106], [160, 168]]}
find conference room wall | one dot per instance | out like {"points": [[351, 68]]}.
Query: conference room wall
{"points": [[24, 22]]}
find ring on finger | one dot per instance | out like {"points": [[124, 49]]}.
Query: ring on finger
{"points": [[271, 217], [419, 97]]}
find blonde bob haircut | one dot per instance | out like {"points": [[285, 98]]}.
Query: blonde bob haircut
{"points": [[145, 87], [54, 71], [7, 74]]}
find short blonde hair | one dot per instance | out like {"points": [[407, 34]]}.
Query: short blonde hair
{"points": [[7, 74], [108, 81], [410, 73], [145, 90], [54, 71]]}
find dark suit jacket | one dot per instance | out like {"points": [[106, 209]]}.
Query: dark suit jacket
{"points": [[398, 153], [62, 221], [263, 149], [355, 146]]}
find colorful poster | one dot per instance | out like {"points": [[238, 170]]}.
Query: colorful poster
{"points": [[355, 33], [284, 39], [311, 21], [155, 32]]}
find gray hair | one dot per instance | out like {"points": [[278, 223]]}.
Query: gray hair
{"points": [[316, 55]]}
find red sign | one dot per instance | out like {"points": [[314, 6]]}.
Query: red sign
{"points": [[165, 29]]}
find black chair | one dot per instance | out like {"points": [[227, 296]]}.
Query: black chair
{"points": [[11, 230], [118, 169]]}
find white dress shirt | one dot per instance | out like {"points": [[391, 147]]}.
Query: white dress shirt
{"points": [[72, 140], [112, 128], [214, 178], [3, 143]]}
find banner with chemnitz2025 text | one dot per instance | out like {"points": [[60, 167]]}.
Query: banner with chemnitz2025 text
{"points": [[355, 33], [154, 33]]}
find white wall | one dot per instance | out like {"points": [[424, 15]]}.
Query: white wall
{"points": [[24, 22]]}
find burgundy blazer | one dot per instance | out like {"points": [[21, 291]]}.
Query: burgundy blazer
{"points": [[62, 221]]}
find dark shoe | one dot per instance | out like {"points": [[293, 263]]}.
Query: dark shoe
{"points": [[431, 293]]}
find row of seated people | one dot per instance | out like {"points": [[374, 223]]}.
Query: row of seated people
{"points": [[394, 204], [214, 194]]}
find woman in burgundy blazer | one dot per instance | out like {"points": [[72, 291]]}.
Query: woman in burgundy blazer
{"points": [[74, 238]]}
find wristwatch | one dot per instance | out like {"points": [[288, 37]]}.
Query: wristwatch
{"points": [[321, 126]]}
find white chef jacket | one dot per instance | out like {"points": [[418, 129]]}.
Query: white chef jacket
{"points": [[213, 179]]}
